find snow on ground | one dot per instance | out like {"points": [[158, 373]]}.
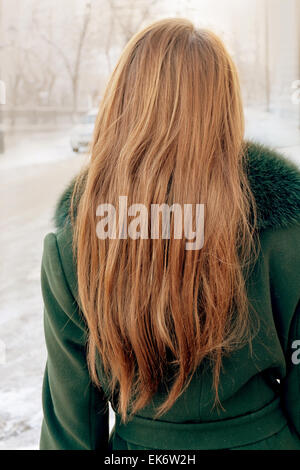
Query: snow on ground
{"points": [[34, 170], [284, 135]]}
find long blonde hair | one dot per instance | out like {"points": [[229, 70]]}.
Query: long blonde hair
{"points": [[169, 130]]}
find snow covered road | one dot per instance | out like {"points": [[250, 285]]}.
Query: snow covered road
{"points": [[34, 171]]}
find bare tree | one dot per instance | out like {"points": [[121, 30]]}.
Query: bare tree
{"points": [[56, 55], [108, 42], [73, 67], [130, 15]]}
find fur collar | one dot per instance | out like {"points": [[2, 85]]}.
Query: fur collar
{"points": [[274, 180]]}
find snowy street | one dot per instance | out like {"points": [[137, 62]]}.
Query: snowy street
{"points": [[34, 170]]}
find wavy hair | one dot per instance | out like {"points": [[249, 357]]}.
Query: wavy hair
{"points": [[169, 130]]}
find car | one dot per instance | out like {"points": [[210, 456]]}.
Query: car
{"points": [[82, 134]]}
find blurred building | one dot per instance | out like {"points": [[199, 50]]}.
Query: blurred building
{"points": [[283, 26]]}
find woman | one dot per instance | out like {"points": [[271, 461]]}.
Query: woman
{"points": [[194, 348]]}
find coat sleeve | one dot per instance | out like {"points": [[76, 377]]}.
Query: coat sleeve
{"points": [[75, 412], [291, 384], [285, 290]]}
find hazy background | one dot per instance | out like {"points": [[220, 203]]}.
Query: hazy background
{"points": [[55, 58]]}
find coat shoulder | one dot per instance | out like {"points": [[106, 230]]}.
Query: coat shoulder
{"points": [[275, 183]]}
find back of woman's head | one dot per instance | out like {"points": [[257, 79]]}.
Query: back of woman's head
{"points": [[169, 130]]}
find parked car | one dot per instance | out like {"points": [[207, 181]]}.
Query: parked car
{"points": [[82, 134]]}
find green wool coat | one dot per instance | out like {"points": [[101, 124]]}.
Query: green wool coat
{"points": [[259, 388]]}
